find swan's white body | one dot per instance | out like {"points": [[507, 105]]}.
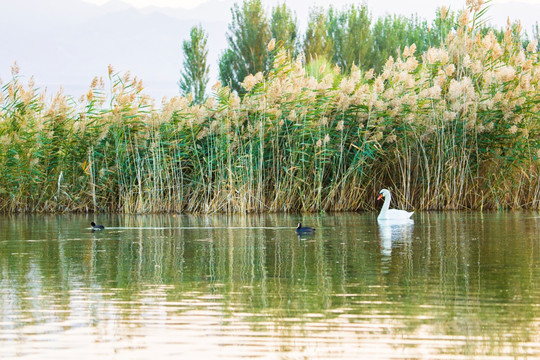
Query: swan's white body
{"points": [[391, 214]]}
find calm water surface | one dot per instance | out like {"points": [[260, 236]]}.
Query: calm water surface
{"points": [[449, 286]]}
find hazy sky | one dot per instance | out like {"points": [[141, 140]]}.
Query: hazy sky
{"points": [[186, 4], [406, 7], [68, 42]]}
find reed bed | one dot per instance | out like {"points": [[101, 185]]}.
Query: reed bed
{"points": [[456, 127]]}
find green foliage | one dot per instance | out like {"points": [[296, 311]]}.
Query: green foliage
{"points": [[195, 75], [317, 41], [247, 38], [284, 29], [393, 33], [435, 35], [226, 63], [351, 36], [389, 34], [536, 35], [319, 68]]}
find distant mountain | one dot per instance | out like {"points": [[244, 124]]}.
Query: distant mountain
{"points": [[51, 11], [68, 42], [211, 11]]}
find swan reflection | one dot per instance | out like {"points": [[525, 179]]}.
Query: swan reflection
{"points": [[394, 231]]}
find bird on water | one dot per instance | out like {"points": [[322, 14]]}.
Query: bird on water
{"points": [[96, 227], [391, 214], [304, 229]]}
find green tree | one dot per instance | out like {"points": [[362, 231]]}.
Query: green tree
{"points": [[389, 33], [444, 22], [226, 64], [194, 77], [247, 38], [392, 33], [284, 29], [351, 36], [536, 35], [317, 42]]}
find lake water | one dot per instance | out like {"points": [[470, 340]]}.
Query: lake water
{"points": [[449, 286]]}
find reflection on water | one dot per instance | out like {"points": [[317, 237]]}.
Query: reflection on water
{"points": [[394, 232], [448, 285]]}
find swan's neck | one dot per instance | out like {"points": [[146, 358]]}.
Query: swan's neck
{"points": [[386, 204]]}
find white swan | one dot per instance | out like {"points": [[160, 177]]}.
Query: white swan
{"points": [[391, 214]]}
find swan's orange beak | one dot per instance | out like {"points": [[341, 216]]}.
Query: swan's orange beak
{"points": [[380, 197]]}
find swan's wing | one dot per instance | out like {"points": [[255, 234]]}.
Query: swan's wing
{"points": [[398, 214]]}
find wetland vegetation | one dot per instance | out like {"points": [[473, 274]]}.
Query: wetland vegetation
{"points": [[455, 126]]}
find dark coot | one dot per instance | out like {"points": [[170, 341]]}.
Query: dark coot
{"points": [[96, 227], [304, 229]]}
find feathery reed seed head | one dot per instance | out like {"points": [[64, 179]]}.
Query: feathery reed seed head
{"points": [[271, 44]]}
